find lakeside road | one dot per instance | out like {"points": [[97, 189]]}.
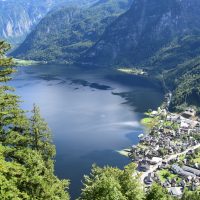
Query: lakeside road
{"points": [[171, 157]]}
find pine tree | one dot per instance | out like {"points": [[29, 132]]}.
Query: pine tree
{"points": [[26, 164], [41, 135], [110, 183], [191, 195], [131, 186], [5, 63], [157, 192]]}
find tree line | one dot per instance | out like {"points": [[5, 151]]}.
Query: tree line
{"points": [[27, 157]]}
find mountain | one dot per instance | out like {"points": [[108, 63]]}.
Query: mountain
{"points": [[17, 19], [179, 64], [163, 37], [66, 33], [144, 29]]}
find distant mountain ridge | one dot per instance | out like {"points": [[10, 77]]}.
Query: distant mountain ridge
{"points": [[160, 36], [144, 29], [66, 33], [163, 38], [17, 18]]}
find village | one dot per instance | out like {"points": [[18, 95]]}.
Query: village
{"points": [[169, 154]]}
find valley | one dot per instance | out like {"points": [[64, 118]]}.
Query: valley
{"points": [[97, 122], [111, 77], [17, 20]]}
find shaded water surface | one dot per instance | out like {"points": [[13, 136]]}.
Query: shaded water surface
{"points": [[91, 116]]}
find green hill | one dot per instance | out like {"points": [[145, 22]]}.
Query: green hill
{"points": [[179, 63], [163, 37], [18, 18], [65, 33]]}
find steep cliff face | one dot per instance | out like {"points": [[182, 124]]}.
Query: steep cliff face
{"points": [[66, 33], [144, 29], [17, 18], [162, 36]]}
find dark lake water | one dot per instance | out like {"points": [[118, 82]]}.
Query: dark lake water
{"points": [[92, 114]]}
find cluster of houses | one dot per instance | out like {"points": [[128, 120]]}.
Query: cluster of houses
{"points": [[175, 135], [164, 141], [187, 177]]}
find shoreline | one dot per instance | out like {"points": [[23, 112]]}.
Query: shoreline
{"points": [[148, 121], [164, 144]]}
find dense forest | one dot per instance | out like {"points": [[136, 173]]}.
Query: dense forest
{"points": [[19, 19], [161, 37], [26, 149], [27, 158], [65, 33], [178, 63]]}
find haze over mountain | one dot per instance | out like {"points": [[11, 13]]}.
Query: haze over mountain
{"points": [[17, 18], [160, 36], [65, 33]]}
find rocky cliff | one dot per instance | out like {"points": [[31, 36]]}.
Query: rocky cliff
{"points": [[18, 18], [66, 33], [144, 29], [162, 37]]}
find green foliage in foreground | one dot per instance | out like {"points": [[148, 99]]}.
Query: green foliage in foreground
{"points": [[27, 153], [157, 192], [26, 149], [112, 184], [191, 195]]}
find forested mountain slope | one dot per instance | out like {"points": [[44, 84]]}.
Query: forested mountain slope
{"points": [[179, 64], [17, 18], [144, 29], [65, 33], [163, 37], [160, 36]]}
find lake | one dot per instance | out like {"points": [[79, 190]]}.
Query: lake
{"points": [[92, 114]]}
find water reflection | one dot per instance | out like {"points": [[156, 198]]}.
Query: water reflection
{"points": [[91, 116]]}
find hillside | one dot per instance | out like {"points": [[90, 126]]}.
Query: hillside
{"points": [[17, 19], [187, 85], [144, 29], [179, 64], [65, 33], [163, 37]]}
